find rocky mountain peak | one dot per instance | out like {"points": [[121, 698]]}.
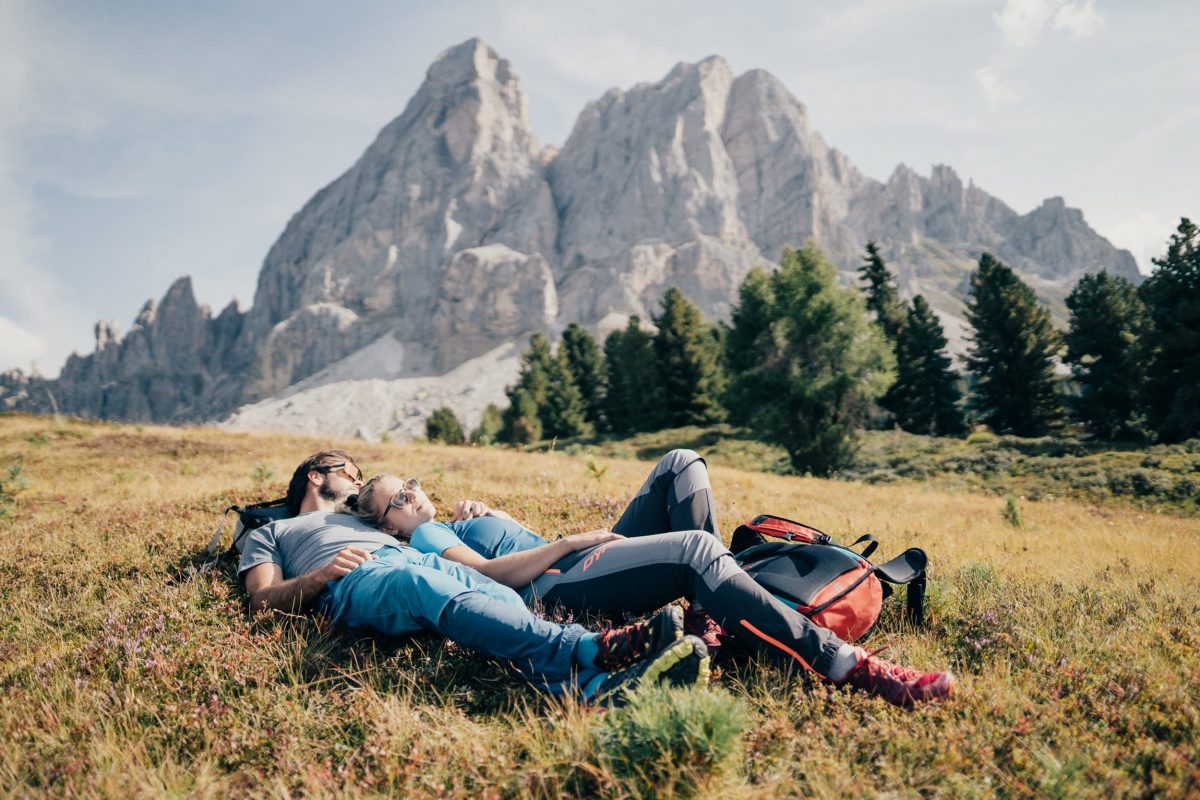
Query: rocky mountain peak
{"points": [[455, 235]]}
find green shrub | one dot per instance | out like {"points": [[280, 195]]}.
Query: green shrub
{"points": [[490, 425], [1012, 512], [981, 437], [674, 742], [443, 426]]}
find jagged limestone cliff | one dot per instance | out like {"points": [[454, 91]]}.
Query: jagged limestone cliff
{"points": [[456, 235]]}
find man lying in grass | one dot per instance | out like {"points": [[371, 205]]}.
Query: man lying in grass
{"points": [[360, 577], [673, 550]]}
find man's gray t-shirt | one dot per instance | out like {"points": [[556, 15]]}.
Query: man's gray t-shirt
{"points": [[309, 541]]}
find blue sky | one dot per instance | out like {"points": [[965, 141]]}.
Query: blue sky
{"points": [[141, 141]]}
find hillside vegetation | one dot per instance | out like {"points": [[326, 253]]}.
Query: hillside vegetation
{"points": [[1155, 478], [128, 670]]}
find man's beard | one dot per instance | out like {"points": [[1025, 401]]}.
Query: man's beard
{"points": [[327, 492]]}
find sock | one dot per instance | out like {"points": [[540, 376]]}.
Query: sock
{"points": [[587, 649], [847, 658], [590, 688]]}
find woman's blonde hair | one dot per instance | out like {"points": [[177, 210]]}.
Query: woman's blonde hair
{"points": [[370, 496]]}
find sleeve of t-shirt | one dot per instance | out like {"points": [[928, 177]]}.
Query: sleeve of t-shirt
{"points": [[261, 548], [434, 537]]}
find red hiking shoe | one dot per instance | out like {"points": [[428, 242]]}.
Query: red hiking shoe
{"points": [[624, 646], [699, 624], [900, 686]]}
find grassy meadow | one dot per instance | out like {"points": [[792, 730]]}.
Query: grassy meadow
{"points": [[129, 670]]}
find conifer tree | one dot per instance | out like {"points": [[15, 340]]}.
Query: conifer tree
{"points": [[564, 414], [522, 418], [750, 322], [522, 422], [1012, 352], [586, 363], [925, 397], [883, 301], [490, 426], [688, 364], [814, 368], [1172, 338], [1107, 318], [443, 426], [632, 403]]}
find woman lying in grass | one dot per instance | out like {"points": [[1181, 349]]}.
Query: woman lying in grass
{"points": [[670, 548]]}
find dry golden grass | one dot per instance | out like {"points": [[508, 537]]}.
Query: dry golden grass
{"points": [[124, 672]]}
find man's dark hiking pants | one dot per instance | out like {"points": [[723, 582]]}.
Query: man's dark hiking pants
{"points": [[674, 550]]}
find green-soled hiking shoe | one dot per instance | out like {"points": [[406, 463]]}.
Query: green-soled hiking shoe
{"points": [[681, 663]]}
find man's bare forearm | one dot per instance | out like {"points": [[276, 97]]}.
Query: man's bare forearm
{"points": [[294, 594]]}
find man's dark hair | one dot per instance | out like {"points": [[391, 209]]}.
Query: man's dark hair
{"points": [[317, 461]]}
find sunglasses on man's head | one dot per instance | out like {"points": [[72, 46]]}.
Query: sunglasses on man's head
{"points": [[406, 495], [350, 471]]}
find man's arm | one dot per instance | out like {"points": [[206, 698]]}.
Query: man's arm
{"points": [[520, 569], [268, 589]]}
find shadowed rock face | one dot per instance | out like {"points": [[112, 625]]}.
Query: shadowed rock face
{"points": [[456, 232]]}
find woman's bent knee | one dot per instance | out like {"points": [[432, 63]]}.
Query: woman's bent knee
{"points": [[678, 459]]}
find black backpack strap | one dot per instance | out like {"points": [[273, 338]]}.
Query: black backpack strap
{"points": [[909, 567], [744, 538], [870, 548], [914, 606], [904, 568]]}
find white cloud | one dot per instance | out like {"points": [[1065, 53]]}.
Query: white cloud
{"points": [[996, 90], [588, 43], [1144, 234], [1023, 21], [18, 347], [1080, 19], [27, 291]]}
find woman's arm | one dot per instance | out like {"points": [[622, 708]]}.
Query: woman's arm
{"points": [[517, 570], [467, 509]]}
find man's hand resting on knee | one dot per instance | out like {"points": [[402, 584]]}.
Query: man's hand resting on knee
{"points": [[268, 589]]}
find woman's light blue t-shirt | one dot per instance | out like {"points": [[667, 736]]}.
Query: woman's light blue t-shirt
{"points": [[490, 537]]}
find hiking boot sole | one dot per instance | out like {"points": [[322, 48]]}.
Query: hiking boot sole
{"points": [[684, 662]]}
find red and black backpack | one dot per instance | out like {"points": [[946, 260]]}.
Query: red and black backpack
{"points": [[831, 584]]}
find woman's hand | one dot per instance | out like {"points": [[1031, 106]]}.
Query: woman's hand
{"points": [[469, 509], [582, 541]]}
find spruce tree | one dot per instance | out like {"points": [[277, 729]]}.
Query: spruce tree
{"points": [[1012, 352], [633, 402], [522, 418], [688, 364], [1107, 318], [564, 414], [883, 301], [750, 322], [1172, 338], [813, 370], [587, 366], [443, 426], [925, 397]]}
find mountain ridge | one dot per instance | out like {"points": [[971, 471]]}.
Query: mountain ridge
{"points": [[456, 232]]}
